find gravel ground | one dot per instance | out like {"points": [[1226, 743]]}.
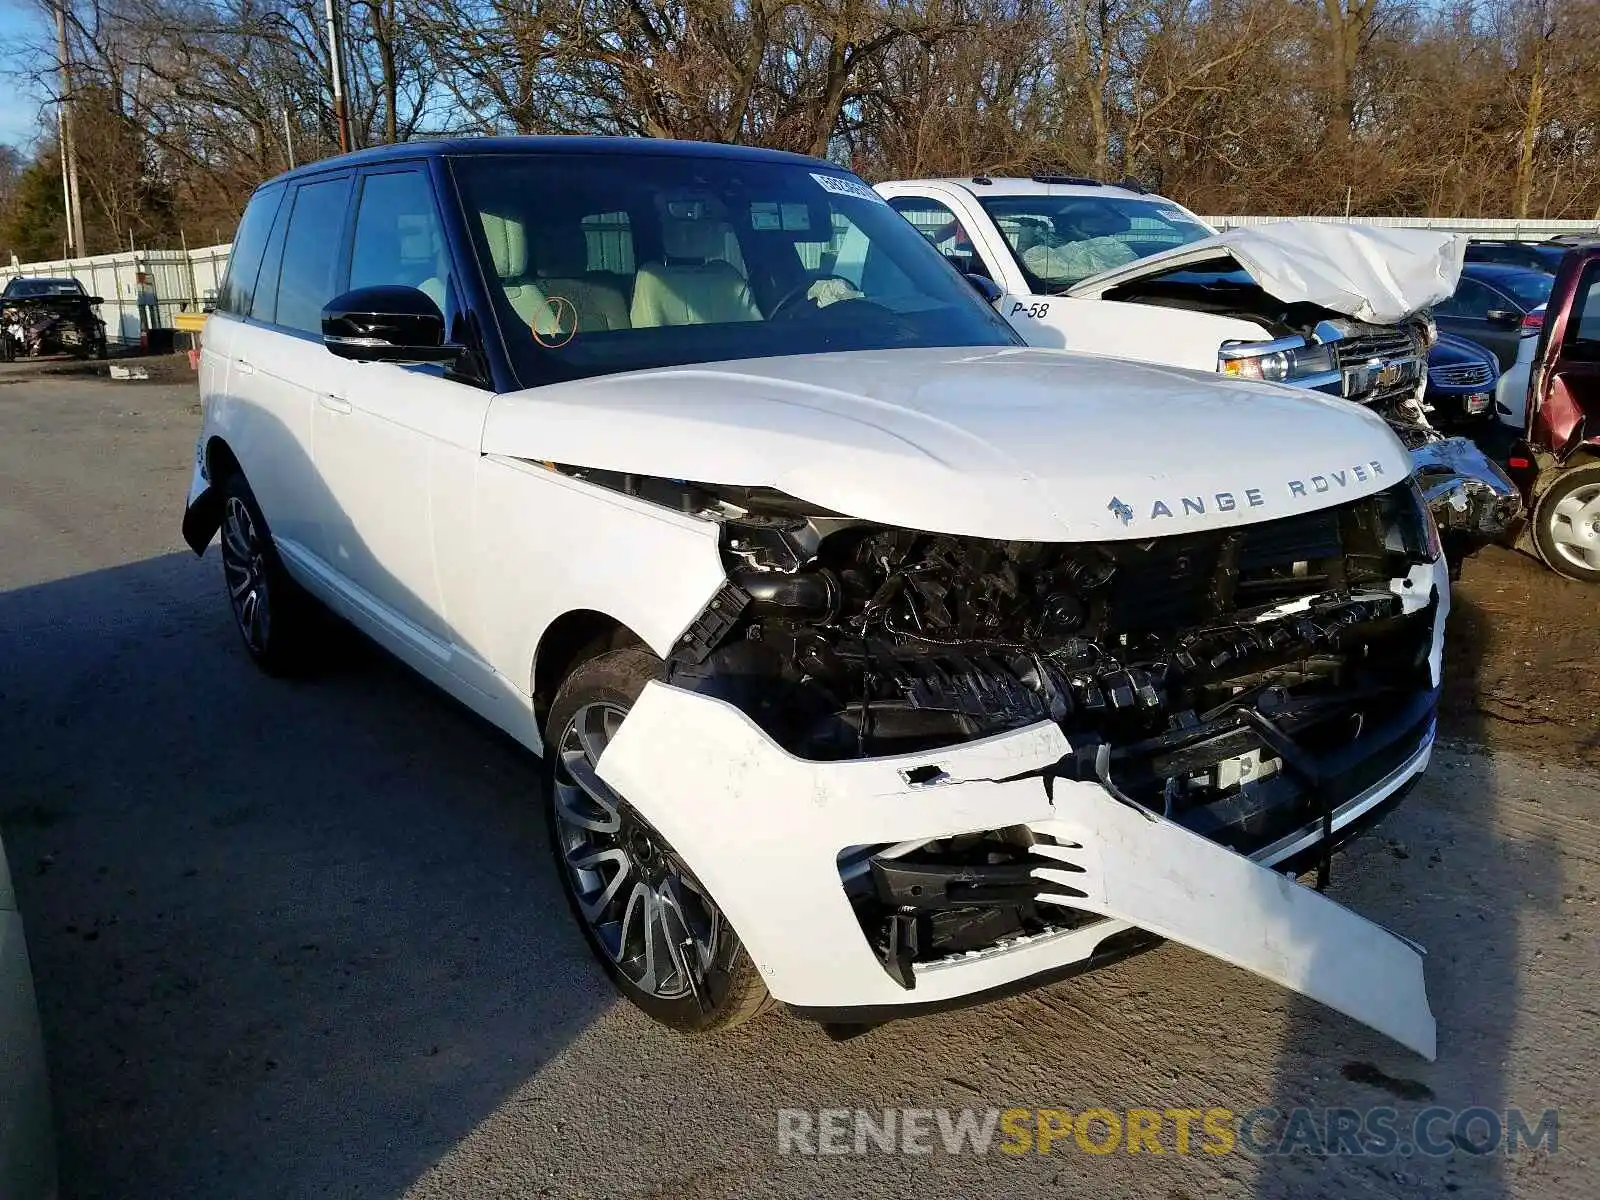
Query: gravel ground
{"points": [[302, 939]]}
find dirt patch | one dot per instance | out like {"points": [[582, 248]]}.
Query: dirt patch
{"points": [[159, 368], [1522, 660]]}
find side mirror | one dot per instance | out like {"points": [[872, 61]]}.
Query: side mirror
{"points": [[387, 323], [95, 300], [1505, 318], [985, 287]]}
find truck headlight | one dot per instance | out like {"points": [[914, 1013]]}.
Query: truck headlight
{"points": [[1287, 360]]}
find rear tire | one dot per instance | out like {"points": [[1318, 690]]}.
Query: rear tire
{"points": [[660, 938], [1566, 524], [276, 619]]}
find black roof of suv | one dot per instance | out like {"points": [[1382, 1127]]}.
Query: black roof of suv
{"points": [[564, 144]]}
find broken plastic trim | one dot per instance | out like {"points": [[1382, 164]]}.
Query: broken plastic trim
{"points": [[694, 765]]}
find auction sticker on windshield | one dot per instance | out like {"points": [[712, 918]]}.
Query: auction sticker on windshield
{"points": [[840, 186]]}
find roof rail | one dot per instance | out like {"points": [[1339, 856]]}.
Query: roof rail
{"points": [[1081, 180]]}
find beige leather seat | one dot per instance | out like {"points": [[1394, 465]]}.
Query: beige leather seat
{"points": [[694, 286], [508, 248], [436, 287], [561, 259]]}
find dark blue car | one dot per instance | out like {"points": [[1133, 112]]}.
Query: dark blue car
{"points": [[1461, 380]]}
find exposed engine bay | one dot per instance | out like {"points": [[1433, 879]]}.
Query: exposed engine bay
{"points": [[888, 640], [1219, 678]]}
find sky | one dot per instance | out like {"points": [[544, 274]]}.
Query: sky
{"points": [[20, 22]]}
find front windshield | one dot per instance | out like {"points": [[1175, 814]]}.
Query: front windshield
{"points": [[19, 288], [611, 262], [1059, 240]]}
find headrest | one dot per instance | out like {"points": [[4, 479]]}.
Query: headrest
{"points": [[560, 251], [697, 240], [508, 245]]}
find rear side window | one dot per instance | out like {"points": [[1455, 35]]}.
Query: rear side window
{"points": [[244, 261], [1583, 329], [264, 304], [307, 277]]}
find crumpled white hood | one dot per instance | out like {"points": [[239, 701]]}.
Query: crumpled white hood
{"points": [[1009, 443], [1363, 271]]}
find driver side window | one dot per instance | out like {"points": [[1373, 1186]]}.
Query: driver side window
{"points": [[398, 238], [944, 231]]}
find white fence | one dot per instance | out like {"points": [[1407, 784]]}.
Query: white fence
{"points": [[1498, 228], [144, 289], [140, 289]]}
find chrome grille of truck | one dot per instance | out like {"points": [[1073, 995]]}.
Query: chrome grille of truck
{"points": [[1385, 343], [1380, 364]]}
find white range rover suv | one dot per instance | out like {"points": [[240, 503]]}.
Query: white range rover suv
{"points": [[877, 662]]}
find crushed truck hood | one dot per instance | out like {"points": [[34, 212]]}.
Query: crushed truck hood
{"points": [[1002, 443], [1363, 271]]}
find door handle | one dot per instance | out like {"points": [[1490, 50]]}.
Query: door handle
{"points": [[243, 367], [333, 403]]}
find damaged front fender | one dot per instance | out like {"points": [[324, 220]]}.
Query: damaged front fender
{"points": [[764, 832]]}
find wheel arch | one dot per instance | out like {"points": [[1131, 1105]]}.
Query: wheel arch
{"points": [[569, 641], [220, 460]]}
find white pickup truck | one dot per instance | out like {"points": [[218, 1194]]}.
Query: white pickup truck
{"points": [[1075, 264]]}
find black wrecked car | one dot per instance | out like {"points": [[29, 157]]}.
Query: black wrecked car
{"points": [[46, 315]]}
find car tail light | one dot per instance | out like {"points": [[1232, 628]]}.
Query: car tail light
{"points": [[1533, 322], [1519, 464]]}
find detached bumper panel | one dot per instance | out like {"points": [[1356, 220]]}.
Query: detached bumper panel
{"points": [[764, 830], [202, 513]]}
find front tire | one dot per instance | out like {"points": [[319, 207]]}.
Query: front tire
{"points": [[1566, 524], [651, 925], [275, 618]]}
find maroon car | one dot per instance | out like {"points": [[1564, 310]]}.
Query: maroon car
{"points": [[1557, 463]]}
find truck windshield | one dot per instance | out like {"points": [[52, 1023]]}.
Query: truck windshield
{"points": [[1059, 240], [599, 263]]}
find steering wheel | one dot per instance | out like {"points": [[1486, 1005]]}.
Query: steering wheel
{"points": [[798, 292]]}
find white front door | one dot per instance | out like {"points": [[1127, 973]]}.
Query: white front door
{"points": [[397, 446]]}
